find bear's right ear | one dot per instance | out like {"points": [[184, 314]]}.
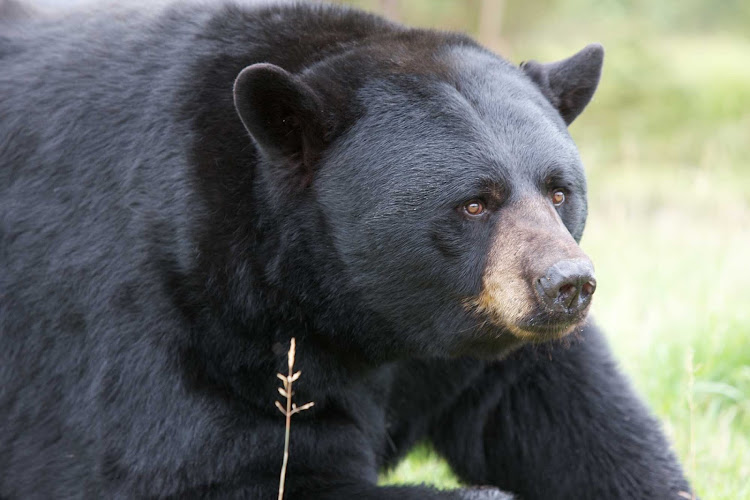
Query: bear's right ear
{"points": [[282, 114], [569, 84]]}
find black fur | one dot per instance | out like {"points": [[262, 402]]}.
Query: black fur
{"points": [[156, 257]]}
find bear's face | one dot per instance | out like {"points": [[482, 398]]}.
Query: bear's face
{"points": [[455, 202]]}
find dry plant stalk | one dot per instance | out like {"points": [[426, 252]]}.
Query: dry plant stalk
{"points": [[289, 410], [690, 367]]}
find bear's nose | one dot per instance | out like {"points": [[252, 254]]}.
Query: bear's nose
{"points": [[568, 285]]}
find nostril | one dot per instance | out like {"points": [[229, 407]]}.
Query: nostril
{"points": [[567, 294], [588, 288]]}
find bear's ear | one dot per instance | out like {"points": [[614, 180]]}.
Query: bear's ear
{"points": [[569, 84], [282, 114]]}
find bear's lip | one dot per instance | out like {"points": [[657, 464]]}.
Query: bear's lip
{"points": [[549, 327], [544, 332]]}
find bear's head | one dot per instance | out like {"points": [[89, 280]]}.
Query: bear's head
{"points": [[452, 194]]}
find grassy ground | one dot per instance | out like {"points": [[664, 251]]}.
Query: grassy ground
{"points": [[666, 143]]}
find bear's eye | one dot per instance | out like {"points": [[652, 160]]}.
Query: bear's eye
{"points": [[558, 197], [474, 207]]}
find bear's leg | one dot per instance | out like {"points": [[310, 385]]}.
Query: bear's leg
{"points": [[559, 421], [359, 491], [370, 492]]}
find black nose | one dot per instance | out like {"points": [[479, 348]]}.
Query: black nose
{"points": [[568, 285]]}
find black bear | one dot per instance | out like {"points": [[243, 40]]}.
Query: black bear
{"points": [[185, 188]]}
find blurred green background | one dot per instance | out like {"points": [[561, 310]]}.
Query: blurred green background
{"points": [[666, 142]]}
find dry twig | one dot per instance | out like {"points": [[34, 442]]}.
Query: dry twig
{"points": [[289, 410]]}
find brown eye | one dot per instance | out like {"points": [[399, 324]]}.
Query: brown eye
{"points": [[558, 197], [474, 207]]}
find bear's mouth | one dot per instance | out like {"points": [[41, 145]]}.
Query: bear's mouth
{"points": [[495, 337], [545, 332], [541, 324], [549, 325]]}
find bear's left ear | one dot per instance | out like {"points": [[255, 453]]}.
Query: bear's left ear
{"points": [[283, 115], [569, 84]]}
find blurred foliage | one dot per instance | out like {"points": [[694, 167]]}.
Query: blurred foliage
{"points": [[686, 16], [676, 78]]}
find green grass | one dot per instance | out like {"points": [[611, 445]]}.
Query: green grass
{"points": [[674, 282], [666, 144]]}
